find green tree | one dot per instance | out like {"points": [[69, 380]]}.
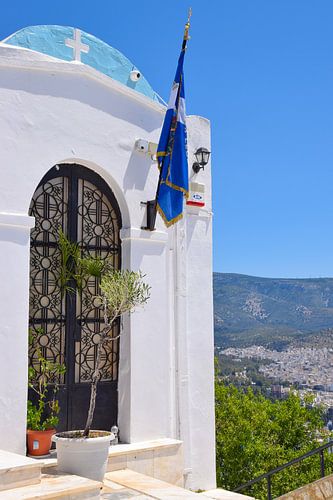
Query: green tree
{"points": [[122, 291], [255, 435]]}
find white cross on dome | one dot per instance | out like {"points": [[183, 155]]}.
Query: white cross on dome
{"points": [[77, 45]]}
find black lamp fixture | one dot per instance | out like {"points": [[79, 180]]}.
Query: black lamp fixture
{"points": [[202, 156]]}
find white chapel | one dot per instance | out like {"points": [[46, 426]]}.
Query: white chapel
{"points": [[79, 125]]}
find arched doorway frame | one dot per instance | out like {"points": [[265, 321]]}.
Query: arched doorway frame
{"points": [[80, 169]]}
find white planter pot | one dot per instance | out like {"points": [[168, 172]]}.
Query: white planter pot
{"points": [[86, 457]]}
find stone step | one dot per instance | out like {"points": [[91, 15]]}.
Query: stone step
{"points": [[144, 485], [17, 470], [126, 483], [56, 486]]}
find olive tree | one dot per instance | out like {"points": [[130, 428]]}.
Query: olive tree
{"points": [[122, 291]]}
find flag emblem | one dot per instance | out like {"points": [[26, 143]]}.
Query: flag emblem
{"points": [[172, 150]]}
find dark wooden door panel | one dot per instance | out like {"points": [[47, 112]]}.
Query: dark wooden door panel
{"points": [[106, 402]]}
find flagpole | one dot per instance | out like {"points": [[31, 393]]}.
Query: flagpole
{"points": [[152, 204]]}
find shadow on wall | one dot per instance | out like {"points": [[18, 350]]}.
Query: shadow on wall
{"points": [[147, 249], [193, 222], [138, 163], [15, 235], [82, 89]]}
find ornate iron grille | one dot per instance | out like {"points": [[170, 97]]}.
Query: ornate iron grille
{"points": [[78, 203], [98, 236], [47, 304]]}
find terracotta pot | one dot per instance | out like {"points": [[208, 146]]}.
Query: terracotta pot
{"points": [[39, 442]]}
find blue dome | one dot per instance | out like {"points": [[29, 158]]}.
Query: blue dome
{"points": [[64, 42]]}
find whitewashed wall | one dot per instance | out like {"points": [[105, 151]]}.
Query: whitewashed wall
{"points": [[199, 322], [54, 111]]}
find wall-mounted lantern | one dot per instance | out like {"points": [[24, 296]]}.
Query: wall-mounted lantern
{"points": [[202, 156]]}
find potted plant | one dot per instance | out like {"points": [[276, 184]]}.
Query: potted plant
{"points": [[85, 452], [42, 416]]}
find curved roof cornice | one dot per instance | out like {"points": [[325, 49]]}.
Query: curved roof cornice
{"points": [[71, 44]]}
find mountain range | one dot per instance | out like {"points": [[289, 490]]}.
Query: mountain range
{"points": [[270, 311]]}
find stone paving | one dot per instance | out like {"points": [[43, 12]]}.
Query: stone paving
{"points": [[123, 495], [25, 478], [127, 484], [114, 491]]}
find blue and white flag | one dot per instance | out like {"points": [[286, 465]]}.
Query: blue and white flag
{"points": [[172, 150]]}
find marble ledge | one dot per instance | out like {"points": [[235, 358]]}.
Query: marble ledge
{"points": [[13, 461], [128, 449], [157, 444], [65, 486], [134, 233], [17, 220]]}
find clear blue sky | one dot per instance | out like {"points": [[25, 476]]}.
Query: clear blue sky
{"points": [[262, 72]]}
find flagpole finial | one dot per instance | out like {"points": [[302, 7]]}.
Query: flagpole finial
{"points": [[187, 25]]}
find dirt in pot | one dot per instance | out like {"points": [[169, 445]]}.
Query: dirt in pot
{"points": [[79, 434]]}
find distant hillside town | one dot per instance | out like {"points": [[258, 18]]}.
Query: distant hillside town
{"points": [[268, 311], [276, 334]]}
